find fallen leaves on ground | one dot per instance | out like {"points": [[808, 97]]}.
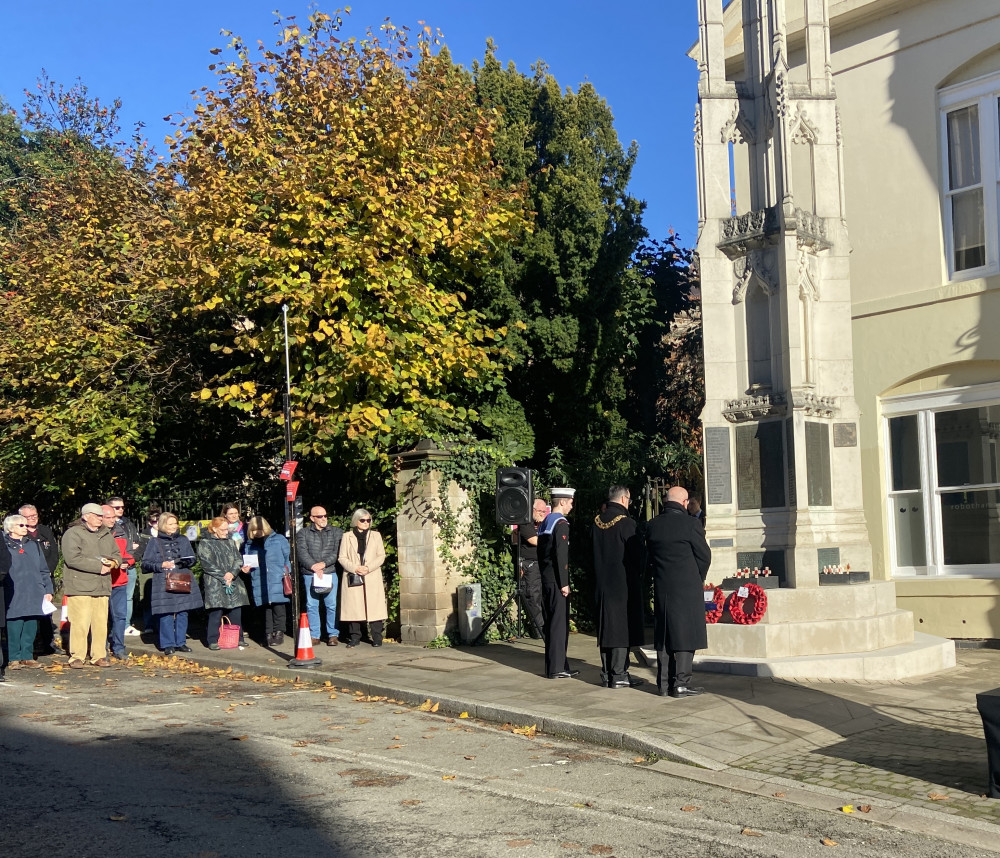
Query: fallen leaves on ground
{"points": [[447, 777], [937, 796], [688, 808], [117, 817], [826, 841], [242, 738], [470, 756], [411, 802], [847, 808], [778, 795], [530, 732], [865, 808], [749, 832], [427, 706], [464, 715]]}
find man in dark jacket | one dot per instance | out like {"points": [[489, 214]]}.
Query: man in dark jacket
{"points": [[553, 558], [125, 529], [530, 584], [679, 558], [46, 539], [318, 548], [618, 582]]}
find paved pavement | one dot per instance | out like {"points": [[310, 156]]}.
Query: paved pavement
{"points": [[912, 750]]}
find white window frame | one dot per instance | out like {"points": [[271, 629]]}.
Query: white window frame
{"points": [[924, 406], [985, 93]]}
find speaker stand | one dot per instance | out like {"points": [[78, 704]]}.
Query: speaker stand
{"points": [[505, 607]]}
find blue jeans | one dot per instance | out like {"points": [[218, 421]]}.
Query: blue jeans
{"points": [[117, 620], [129, 595], [312, 607], [173, 629]]}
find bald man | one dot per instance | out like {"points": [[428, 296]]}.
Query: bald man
{"points": [[678, 557]]}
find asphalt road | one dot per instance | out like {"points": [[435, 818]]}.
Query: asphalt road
{"points": [[156, 759]]}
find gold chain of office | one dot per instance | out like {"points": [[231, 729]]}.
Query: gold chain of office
{"points": [[607, 525]]}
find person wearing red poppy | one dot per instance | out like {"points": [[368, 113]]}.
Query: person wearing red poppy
{"points": [[678, 557], [118, 604]]}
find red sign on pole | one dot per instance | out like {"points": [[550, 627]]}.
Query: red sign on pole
{"points": [[287, 470], [291, 490]]}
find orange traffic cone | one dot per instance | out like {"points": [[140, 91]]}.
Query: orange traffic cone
{"points": [[304, 656], [64, 625]]}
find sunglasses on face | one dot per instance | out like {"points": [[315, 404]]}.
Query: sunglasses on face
{"points": [[363, 520], [318, 516]]}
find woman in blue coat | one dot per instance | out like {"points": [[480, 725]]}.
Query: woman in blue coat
{"points": [[266, 577], [27, 585], [166, 552]]}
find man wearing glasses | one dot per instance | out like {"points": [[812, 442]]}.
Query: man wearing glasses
{"points": [[318, 548], [46, 539], [124, 529], [89, 555]]}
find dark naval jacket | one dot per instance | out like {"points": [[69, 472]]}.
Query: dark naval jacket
{"points": [[553, 549], [678, 557], [618, 578]]}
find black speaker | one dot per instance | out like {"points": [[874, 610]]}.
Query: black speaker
{"points": [[514, 495]]}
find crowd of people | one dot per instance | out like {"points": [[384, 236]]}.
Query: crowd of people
{"points": [[120, 581]]}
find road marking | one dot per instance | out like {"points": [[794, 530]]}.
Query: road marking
{"points": [[13, 686], [137, 706]]}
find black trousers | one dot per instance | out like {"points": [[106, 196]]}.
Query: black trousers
{"points": [[374, 628], [234, 615], [556, 607], [274, 618], [614, 664], [679, 664], [530, 588]]}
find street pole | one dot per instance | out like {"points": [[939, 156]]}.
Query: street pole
{"points": [[290, 505]]}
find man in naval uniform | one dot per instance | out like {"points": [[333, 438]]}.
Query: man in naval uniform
{"points": [[553, 558]]}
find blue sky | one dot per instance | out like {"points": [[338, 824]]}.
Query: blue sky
{"points": [[153, 54]]}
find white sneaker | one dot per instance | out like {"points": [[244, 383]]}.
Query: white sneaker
{"points": [[132, 631]]}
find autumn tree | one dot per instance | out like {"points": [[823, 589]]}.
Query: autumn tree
{"points": [[85, 358], [353, 182]]}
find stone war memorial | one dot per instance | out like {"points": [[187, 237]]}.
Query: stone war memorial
{"points": [[782, 465]]}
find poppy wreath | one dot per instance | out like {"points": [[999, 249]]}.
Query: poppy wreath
{"points": [[737, 603], [719, 599]]}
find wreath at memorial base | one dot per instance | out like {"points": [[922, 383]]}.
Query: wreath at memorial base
{"points": [[713, 615], [747, 610]]}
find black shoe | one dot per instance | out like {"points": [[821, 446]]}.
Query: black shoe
{"points": [[350, 644], [628, 682], [685, 691], [377, 641], [168, 651], [564, 674], [279, 638], [184, 648]]}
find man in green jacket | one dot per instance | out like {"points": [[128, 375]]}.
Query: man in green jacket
{"points": [[89, 555]]}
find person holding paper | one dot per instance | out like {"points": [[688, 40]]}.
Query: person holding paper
{"points": [[27, 586], [319, 547], [170, 551], [221, 564], [266, 578]]}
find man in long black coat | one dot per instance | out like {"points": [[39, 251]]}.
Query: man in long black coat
{"points": [[678, 557], [618, 580], [553, 558]]}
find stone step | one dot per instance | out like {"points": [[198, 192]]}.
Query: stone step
{"points": [[924, 655], [846, 602]]}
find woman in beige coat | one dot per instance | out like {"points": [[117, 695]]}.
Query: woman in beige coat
{"points": [[361, 557]]}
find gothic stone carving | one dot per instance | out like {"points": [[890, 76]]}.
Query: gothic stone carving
{"points": [[755, 407], [813, 404], [808, 276], [751, 231], [739, 128], [754, 267]]}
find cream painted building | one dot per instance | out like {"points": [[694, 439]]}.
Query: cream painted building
{"points": [[916, 169]]}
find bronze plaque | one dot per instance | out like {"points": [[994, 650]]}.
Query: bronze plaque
{"points": [[818, 464], [718, 465], [845, 434]]}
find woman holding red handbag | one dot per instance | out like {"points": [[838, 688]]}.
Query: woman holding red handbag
{"points": [[270, 591], [169, 557]]}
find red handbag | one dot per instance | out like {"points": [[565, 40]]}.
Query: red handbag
{"points": [[286, 583]]}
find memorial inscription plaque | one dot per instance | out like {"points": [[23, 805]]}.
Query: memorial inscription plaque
{"points": [[845, 434], [718, 465], [760, 465], [818, 464]]}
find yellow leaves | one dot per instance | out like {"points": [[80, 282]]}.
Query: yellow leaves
{"points": [[847, 808], [427, 706]]}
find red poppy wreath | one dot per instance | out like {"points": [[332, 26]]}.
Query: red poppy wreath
{"points": [[755, 600], [713, 615]]}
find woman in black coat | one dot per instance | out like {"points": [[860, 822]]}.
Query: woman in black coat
{"points": [[4, 569], [678, 557], [170, 551]]}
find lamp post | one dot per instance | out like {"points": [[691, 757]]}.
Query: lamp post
{"points": [[290, 504]]}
